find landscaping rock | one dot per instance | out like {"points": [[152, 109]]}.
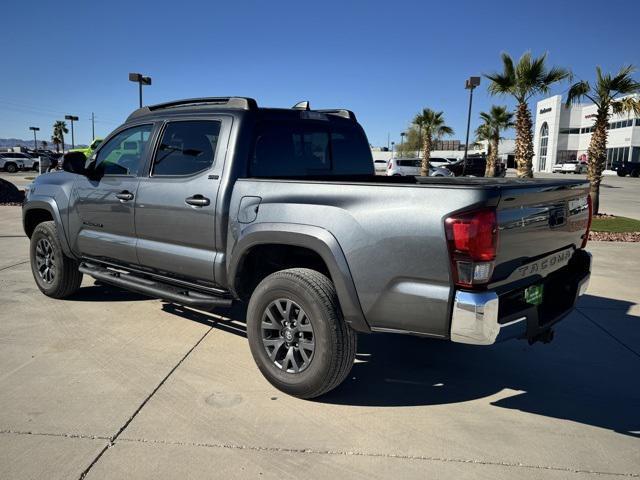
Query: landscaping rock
{"points": [[9, 194], [614, 237]]}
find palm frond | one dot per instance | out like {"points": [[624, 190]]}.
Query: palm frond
{"points": [[577, 92], [626, 105]]}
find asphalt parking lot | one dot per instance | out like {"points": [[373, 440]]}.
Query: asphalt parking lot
{"points": [[110, 384]]}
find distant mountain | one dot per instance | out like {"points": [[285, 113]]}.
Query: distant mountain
{"points": [[18, 142]]}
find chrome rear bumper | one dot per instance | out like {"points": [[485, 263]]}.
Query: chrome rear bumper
{"points": [[475, 317]]}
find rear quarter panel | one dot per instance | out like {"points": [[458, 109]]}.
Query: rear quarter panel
{"points": [[392, 237]]}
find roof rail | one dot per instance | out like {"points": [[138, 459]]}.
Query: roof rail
{"points": [[243, 103], [341, 112]]}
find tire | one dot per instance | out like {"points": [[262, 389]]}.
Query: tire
{"points": [[621, 173], [56, 275], [284, 295], [36, 166], [635, 173], [11, 168]]}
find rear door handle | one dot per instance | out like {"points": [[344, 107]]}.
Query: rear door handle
{"points": [[197, 201], [124, 196]]}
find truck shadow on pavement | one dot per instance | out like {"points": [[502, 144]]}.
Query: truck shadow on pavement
{"points": [[588, 374], [102, 292], [585, 375]]}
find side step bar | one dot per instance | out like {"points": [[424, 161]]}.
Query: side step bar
{"points": [[152, 288]]}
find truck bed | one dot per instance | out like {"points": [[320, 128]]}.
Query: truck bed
{"points": [[452, 182]]}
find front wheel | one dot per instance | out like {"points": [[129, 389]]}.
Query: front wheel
{"points": [[621, 173], [56, 275], [11, 168], [297, 335]]}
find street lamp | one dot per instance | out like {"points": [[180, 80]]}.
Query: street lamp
{"points": [[35, 139], [393, 144], [469, 84], [402, 135], [140, 80], [71, 118]]}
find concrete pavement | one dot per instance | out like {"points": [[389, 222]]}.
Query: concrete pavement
{"points": [[110, 384]]}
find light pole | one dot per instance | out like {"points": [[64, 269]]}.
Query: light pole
{"points": [[140, 80], [35, 139], [71, 118], [402, 135], [393, 144], [469, 84]]}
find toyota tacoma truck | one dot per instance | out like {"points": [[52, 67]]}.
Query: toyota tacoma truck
{"points": [[206, 202]]}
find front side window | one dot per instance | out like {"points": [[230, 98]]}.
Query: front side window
{"points": [[187, 147], [122, 154]]}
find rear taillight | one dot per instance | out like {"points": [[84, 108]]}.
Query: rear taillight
{"points": [[473, 240], [585, 238]]}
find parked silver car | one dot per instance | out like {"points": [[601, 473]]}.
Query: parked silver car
{"points": [[574, 166]]}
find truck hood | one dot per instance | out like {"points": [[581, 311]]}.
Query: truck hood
{"points": [[51, 184]]}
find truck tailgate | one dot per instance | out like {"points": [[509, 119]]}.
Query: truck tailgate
{"points": [[535, 221]]}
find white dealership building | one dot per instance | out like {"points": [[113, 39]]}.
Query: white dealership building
{"points": [[563, 133]]}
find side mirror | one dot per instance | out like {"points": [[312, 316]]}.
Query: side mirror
{"points": [[74, 162]]}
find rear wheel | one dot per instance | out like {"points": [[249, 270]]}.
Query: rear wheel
{"points": [[635, 173], [56, 275], [297, 335], [621, 173], [11, 168]]}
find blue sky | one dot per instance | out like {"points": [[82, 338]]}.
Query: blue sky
{"points": [[384, 60]]}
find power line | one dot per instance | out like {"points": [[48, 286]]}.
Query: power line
{"points": [[31, 108]]}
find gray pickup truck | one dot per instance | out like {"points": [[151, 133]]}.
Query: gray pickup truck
{"points": [[210, 201]]}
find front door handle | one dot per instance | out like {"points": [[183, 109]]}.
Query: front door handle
{"points": [[124, 196], [198, 201]]}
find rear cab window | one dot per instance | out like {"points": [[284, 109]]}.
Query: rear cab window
{"points": [[298, 148]]}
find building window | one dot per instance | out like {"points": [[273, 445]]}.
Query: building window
{"points": [[617, 155], [542, 151]]}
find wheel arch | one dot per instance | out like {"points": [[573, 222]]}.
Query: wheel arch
{"points": [[43, 209], [310, 243]]}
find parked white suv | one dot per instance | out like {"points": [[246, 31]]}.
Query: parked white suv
{"points": [[14, 161], [411, 166]]}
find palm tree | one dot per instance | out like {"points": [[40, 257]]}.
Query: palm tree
{"points": [[56, 141], [483, 134], [59, 129], [494, 122], [432, 125], [522, 81], [604, 94]]}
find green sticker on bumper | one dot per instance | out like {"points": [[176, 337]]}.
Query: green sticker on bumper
{"points": [[533, 294]]}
